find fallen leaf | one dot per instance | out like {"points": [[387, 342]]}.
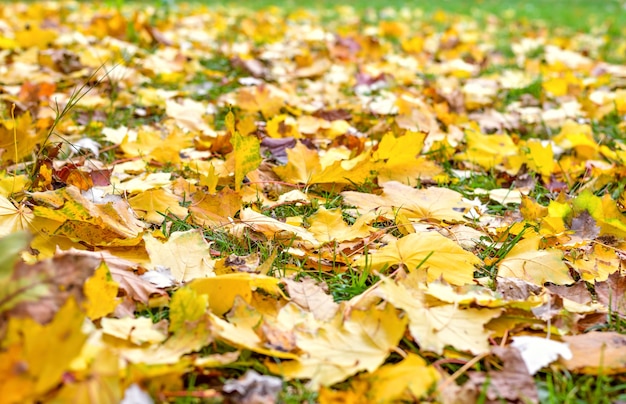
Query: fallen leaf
{"points": [[427, 251], [341, 348], [597, 353], [134, 330], [328, 225], [101, 293], [222, 290], [527, 262], [253, 388], [434, 328], [310, 296], [186, 254], [408, 379], [612, 293], [539, 352], [437, 204]]}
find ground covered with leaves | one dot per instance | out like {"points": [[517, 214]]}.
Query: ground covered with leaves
{"points": [[206, 204]]}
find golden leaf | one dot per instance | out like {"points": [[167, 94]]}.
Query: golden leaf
{"points": [[222, 290], [153, 205], [487, 151], [424, 204], [328, 225], [338, 349], [186, 254], [247, 156], [45, 352], [426, 251], [527, 262], [436, 327], [101, 293]]}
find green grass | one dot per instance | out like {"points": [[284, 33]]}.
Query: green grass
{"points": [[578, 14], [561, 386]]}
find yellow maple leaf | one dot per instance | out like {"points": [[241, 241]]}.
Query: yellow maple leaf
{"points": [[345, 171], [487, 151], [12, 183], [186, 254], [604, 210], [240, 330], [407, 380], [135, 330], [335, 350], [153, 205], [428, 251], [526, 261], [13, 219], [538, 158], [34, 36], [424, 204], [275, 229], [186, 306], [598, 264], [101, 293], [399, 159], [19, 138], [328, 225], [45, 352], [259, 98], [247, 156], [578, 137], [436, 327], [222, 290], [556, 86], [101, 384], [214, 210], [302, 164], [282, 126]]}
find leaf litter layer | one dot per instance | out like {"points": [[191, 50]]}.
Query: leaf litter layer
{"points": [[224, 204]]}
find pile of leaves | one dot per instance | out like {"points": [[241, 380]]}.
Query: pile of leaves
{"points": [[226, 204]]}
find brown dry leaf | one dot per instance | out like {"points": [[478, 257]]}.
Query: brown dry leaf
{"points": [[310, 296], [47, 285], [214, 210], [82, 220], [612, 293], [122, 271], [597, 353], [513, 383]]}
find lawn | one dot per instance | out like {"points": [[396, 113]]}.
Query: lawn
{"points": [[313, 202]]}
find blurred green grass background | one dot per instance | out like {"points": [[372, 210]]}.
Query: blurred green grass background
{"points": [[577, 14]]}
